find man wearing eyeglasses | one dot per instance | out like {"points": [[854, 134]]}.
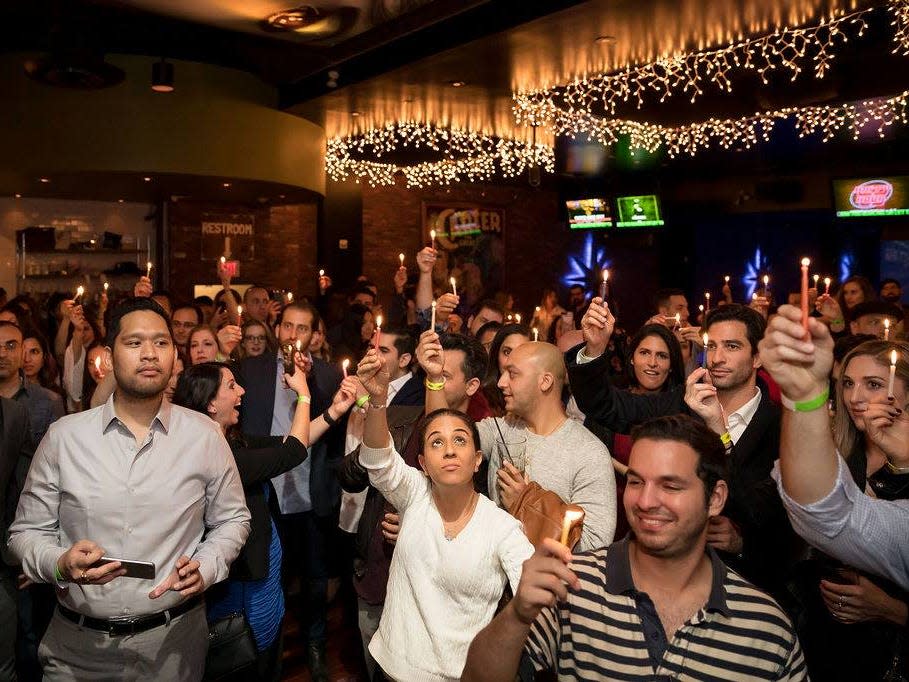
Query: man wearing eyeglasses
{"points": [[183, 320], [44, 407]]}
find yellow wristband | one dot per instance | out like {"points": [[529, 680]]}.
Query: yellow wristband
{"points": [[726, 438], [434, 385]]}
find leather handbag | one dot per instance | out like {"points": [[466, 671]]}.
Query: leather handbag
{"points": [[542, 512], [231, 649]]}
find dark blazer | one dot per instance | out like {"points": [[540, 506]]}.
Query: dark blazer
{"points": [[770, 547], [15, 458], [260, 459], [413, 392], [258, 376]]}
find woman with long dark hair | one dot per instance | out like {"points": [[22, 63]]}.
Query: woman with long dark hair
{"points": [[456, 550], [38, 362], [351, 337], [254, 583]]}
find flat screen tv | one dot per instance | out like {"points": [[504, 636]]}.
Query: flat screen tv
{"points": [[639, 211], [871, 197], [585, 214]]}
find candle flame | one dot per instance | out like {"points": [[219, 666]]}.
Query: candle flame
{"points": [[321, 273], [886, 323], [290, 296], [80, 290], [401, 258], [727, 279], [678, 318], [432, 235], [106, 285], [378, 321], [345, 363], [240, 310], [707, 295], [893, 357], [223, 260], [518, 317], [433, 304], [766, 280], [537, 309], [452, 281], [806, 262], [816, 278], [605, 275], [148, 265], [827, 282], [299, 345], [701, 307], [705, 339]]}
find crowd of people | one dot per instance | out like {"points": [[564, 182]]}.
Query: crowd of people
{"points": [[717, 495]]}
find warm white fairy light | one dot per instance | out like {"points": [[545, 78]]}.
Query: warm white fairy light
{"points": [[900, 11], [466, 155], [790, 50]]}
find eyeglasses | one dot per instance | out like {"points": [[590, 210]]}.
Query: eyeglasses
{"points": [[254, 339], [10, 346]]}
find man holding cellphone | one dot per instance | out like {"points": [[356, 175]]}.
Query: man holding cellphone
{"points": [[136, 479]]}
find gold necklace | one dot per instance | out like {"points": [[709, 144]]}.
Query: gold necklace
{"points": [[452, 529]]}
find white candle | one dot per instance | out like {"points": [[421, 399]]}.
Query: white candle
{"points": [[536, 334], [148, 267], [707, 298], [80, 290], [432, 239], [345, 363], [893, 358], [432, 324], [454, 285], [806, 263], [571, 515], [766, 286], [705, 350], [240, 314]]}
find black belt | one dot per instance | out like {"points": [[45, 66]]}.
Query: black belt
{"points": [[117, 627]]}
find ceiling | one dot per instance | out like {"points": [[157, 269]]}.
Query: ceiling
{"points": [[397, 59]]}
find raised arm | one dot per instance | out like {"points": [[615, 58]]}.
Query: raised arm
{"points": [[431, 358], [426, 260]]}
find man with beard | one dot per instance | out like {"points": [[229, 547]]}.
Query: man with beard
{"points": [[753, 534], [657, 605], [136, 479]]}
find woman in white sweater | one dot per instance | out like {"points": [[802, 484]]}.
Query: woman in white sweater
{"points": [[456, 550]]}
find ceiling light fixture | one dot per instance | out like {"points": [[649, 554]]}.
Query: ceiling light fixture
{"points": [[18, 196], [467, 156], [162, 76], [355, 114], [457, 84], [605, 40], [293, 19], [44, 180], [225, 184], [147, 179]]}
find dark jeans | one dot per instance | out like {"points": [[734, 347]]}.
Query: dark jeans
{"points": [[7, 627], [36, 608], [307, 540]]}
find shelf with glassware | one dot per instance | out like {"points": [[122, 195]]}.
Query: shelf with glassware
{"points": [[47, 271]]}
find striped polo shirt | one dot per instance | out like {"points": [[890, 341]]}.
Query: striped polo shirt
{"points": [[608, 630]]}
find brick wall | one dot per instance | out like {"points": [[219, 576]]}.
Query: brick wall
{"points": [[534, 238], [285, 252]]}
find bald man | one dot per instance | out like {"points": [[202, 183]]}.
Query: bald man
{"points": [[556, 452]]}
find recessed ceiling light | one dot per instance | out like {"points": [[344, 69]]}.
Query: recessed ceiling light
{"points": [[457, 84], [119, 201], [18, 196], [225, 184], [355, 114], [147, 179], [606, 40], [45, 180]]}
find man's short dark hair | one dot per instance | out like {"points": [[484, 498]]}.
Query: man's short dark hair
{"points": [[680, 428], [576, 286], [846, 344], [890, 280], [662, 296], [132, 305], [362, 289], [203, 300], [491, 326], [200, 316], [475, 356], [875, 308], [736, 312], [489, 304], [404, 340], [306, 307]]}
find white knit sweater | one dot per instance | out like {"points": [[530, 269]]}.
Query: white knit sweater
{"points": [[441, 593]]}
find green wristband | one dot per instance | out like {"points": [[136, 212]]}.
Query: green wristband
{"points": [[362, 400], [807, 405], [58, 576]]}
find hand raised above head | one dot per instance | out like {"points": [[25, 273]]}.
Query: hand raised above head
{"points": [[800, 366], [430, 354], [597, 324], [545, 580], [373, 375]]}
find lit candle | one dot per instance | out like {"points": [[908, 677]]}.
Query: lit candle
{"points": [[106, 286], [401, 258], [604, 285], [290, 297], [321, 274], [707, 299], [726, 279], [537, 310], [240, 314], [432, 324], [571, 515], [754, 296], [766, 286], [223, 261], [701, 308], [432, 239], [816, 278], [886, 329], [345, 363], [517, 318], [454, 285], [893, 357], [826, 285], [804, 298], [678, 320], [705, 350], [378, 330], [536, 334], [148, 267], [80, 291], [298, 345]]}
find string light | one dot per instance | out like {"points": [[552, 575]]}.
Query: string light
{"points": [[743, 132], [900, 10], [787, 49], [466, 155]]}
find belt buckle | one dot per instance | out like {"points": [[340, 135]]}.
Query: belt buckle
{"points": [[122, 627]]}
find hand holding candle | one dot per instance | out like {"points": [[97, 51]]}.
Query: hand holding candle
{"points": [[804, 295], [573, 514]]}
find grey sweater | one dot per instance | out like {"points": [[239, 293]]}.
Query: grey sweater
{"points": [[571, 462]]}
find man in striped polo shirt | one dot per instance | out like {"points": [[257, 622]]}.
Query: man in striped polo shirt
{"points": [[658, 605]]}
